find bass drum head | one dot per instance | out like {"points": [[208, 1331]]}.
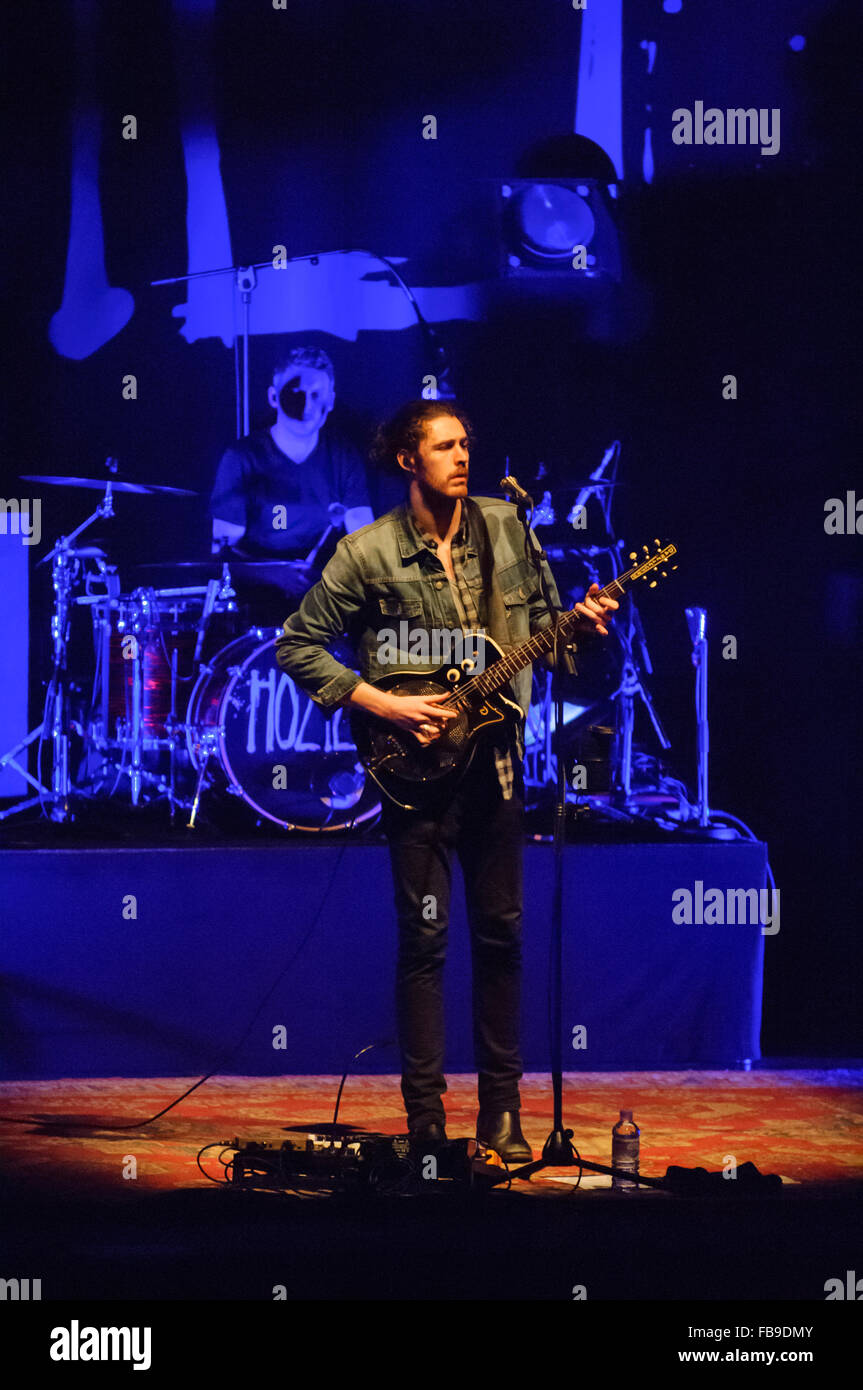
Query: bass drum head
{"points": [[275, 748]]}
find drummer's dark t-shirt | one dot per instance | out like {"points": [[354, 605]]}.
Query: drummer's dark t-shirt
{"points": [[254, 478]]}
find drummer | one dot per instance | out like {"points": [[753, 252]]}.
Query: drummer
{"points": [[278, 490]]}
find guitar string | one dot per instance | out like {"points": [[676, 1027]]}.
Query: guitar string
{"points": [[503, 669], [507, 666]]}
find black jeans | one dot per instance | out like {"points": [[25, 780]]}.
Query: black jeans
{"points": [[488, 834]]}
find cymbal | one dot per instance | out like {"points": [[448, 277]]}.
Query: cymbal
{"points": [[117, 485], [291, 577]]}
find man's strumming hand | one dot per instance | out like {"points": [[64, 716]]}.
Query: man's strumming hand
{"points": [[420, 715]]}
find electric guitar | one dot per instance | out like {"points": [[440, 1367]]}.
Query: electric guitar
{"points": [[402, 766]]}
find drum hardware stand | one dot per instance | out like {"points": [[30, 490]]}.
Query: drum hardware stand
{"points": [[172, 728], [65, 566], [696, 619], [545, 755], [631, 684], [223, 590], [624, 701], [136, 733], [135, 779], [541, 757], [209, 740], [155, 778]]}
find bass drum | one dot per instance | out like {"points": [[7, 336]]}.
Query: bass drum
{"points": [[271, 744]]}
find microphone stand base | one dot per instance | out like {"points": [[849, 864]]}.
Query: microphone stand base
{"points": [[557, 1151]]}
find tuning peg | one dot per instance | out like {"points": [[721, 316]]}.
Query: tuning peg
{"points": [[652, 584], [645, 549], [656, 540], [632, 555]]}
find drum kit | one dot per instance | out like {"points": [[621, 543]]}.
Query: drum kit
{"points": [[183, 703]]}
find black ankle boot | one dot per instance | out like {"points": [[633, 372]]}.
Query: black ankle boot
{"points": [[427, 1139], [501, 1130]]}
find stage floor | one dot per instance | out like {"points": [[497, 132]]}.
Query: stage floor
{"points": [[806, 1125], [168, 1233]]}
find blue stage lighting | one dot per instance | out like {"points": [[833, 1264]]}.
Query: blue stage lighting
{"points": [[553, 220], [558, 228]]}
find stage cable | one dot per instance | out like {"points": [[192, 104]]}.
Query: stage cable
{"points": [[750, 834]]}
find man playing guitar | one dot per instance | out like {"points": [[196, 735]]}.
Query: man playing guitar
{"points": [[441, 562]]}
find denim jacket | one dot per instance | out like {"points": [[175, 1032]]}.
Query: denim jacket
{"points": [[384, 573]]}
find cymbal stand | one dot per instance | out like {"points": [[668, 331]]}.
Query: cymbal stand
{"points": [[65, 571], [628, 633], [631, 686]]}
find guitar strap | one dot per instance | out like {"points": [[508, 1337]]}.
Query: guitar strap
{"points": [[495, 617], [496, 620]]}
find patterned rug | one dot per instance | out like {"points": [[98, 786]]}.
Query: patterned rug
{"points": [[805, 1125]]}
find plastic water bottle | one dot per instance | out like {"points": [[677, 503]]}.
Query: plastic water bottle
{"points": [[624, 1151]]}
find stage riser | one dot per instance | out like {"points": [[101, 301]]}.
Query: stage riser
{"points": [[89, 992]]}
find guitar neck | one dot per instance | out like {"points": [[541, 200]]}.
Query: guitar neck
{"points": [[493, 677]]}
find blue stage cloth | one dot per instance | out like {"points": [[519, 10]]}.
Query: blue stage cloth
{"points": [[87, 992]]}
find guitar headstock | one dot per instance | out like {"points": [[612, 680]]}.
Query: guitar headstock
{"points": [[655, 563]]}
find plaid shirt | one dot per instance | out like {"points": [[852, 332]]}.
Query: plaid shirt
{"points": [[471, 622]]}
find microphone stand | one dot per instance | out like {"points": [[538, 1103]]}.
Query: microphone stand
{"points": [[246, 280], [557, 1151]]}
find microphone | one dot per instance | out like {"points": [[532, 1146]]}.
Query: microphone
{"points": [[516, 491], [209, 603], [581, 500]]}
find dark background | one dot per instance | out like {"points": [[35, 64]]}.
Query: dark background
{"points": [[732, 268]]}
